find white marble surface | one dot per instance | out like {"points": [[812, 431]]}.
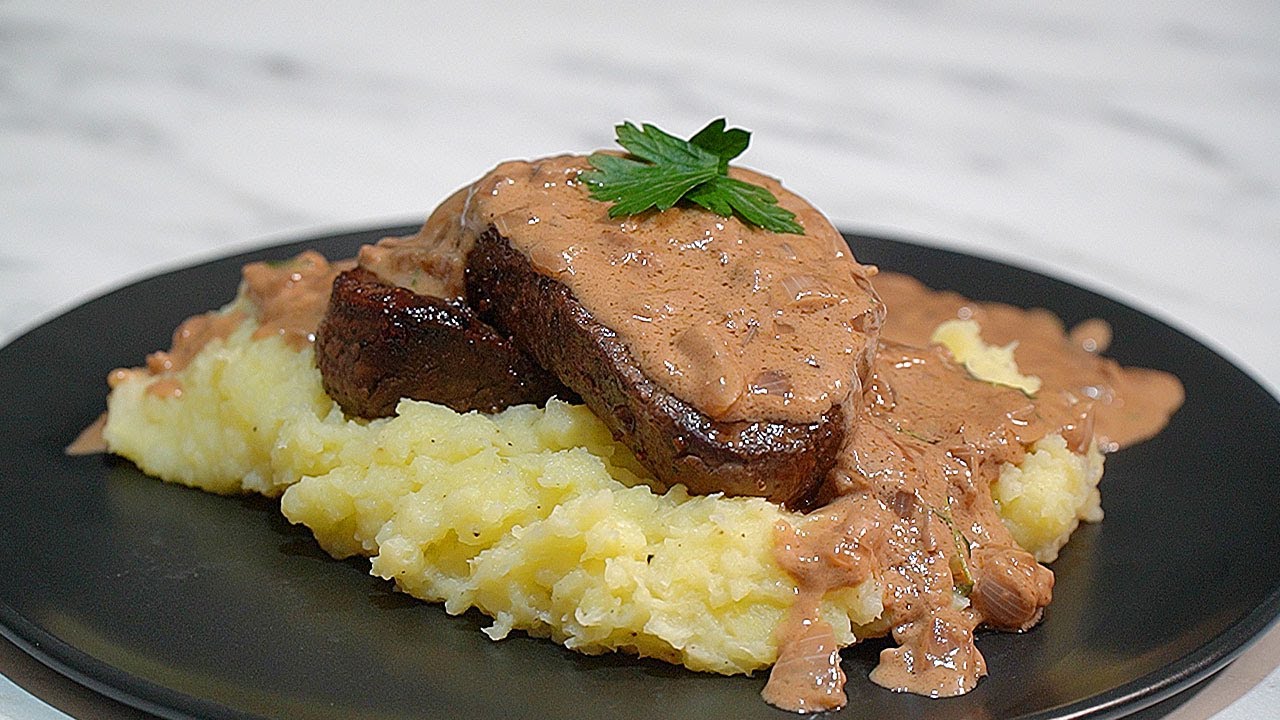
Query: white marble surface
{"points": [[1129, 147]]}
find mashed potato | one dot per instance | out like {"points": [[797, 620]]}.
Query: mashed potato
{"points": [[536, 517], [992, 363], [1043, 499], [520, 515]]}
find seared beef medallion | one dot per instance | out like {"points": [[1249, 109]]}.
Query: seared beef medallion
{"points": [[781, 461], [379, 343]]}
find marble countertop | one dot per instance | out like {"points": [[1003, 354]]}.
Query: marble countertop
{"points": [[1129, 148]]}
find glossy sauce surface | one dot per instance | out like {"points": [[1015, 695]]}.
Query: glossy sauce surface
{"points": [[287, 298], [1129, 405], [742, 323], [910, 502]]}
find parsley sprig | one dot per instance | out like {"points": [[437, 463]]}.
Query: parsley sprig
{"points": [[663, 170]]}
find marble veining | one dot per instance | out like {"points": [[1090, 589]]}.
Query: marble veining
{"points": [[1128, 147]]}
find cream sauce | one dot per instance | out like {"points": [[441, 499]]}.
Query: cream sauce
{"points": [[935, 656], [430, 262], [776, 327], [90, 440], [188, 340], [825, 554], [290, 297], [910, 502], [287, 298], [1129, 404]]}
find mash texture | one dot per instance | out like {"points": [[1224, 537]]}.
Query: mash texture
{"points": [[1043, 499], [992, 363], [534, 516]]}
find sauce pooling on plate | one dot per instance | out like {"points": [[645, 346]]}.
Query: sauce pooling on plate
{"points": [[1128, 405], [911, 503]]}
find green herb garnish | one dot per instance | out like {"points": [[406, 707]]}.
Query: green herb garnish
{"points": [[664, 170]]}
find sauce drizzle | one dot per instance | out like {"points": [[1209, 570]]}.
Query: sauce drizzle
{"points": [[910, 501]]}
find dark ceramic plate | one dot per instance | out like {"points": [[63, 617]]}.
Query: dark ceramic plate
{"points": [[191, 605]]}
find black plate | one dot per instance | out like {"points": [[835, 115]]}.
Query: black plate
{"points": [[191, 605]]}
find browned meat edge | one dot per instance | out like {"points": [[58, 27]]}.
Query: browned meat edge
{"points": [[379, 343], [780, 461]]}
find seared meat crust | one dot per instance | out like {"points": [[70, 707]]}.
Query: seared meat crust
{"points": [[781, 461], [379, 343]]}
